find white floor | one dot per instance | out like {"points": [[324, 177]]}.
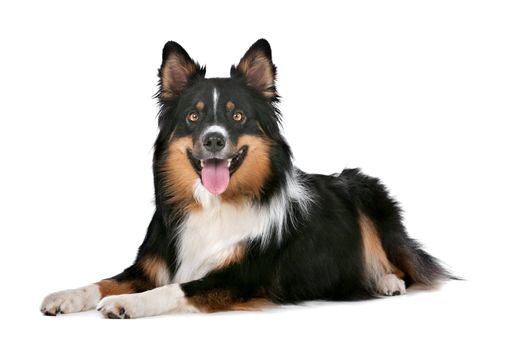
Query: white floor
{"points": [[460, 314]]}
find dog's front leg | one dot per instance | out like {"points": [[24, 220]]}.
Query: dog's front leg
{"points": [[150, 270], [86, 298], [215, 292], [150, 303]]}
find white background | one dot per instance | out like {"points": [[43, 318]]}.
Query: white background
{"points": [[427, 96]]}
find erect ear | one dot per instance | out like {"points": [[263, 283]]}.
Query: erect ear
{"points": [[177, 70], [257, 68]]}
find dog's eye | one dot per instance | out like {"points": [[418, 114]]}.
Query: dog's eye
{"points": [[192, 117], [238, 117]]}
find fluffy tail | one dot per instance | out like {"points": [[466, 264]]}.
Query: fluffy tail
{"points": [[420, 266]]}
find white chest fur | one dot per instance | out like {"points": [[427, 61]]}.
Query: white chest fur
{"points": [[210, 235]]}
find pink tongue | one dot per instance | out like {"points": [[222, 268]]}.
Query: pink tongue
{"points": [[215, 175]]}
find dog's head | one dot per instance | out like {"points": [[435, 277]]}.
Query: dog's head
{"points": [[221, 131]]}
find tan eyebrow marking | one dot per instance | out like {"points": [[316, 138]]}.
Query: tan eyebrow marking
{"points": [[230, 105], [199, 105]]}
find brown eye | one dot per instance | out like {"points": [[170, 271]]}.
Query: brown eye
{"points": [[238, 117], [193, 117]]}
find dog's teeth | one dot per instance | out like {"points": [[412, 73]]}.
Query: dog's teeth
{"points": [[229, 162], [202, 164]]}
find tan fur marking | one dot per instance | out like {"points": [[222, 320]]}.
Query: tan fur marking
{"points": [[222, 300], [179, 173], [109, 287], [249, 179], [199, 105], [235, 257], [375, 257], [156, 270], [400, 274], [217, 300], [254, 304], [230, 106]]}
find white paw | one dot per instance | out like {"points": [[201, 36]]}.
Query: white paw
{"points": [[391, 285], [71, 300], [121, 306]]}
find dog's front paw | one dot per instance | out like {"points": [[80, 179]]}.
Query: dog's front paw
{"points": [[121, 306], [71, 300]]}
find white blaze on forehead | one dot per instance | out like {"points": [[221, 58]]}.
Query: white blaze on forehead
{"points": [[215, 95]]}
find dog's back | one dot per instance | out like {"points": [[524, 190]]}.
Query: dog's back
{"points": [[236, 225]]}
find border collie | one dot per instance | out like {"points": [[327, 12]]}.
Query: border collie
{"points": [[237, 226]]}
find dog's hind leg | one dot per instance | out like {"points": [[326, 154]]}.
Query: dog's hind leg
{"points": [[382, 276], [386, 246]]}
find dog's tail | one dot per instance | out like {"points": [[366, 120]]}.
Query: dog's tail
{"points": [[421, 267]]}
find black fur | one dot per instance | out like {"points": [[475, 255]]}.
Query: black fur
{"points": [[320, 256], [320, 253]]}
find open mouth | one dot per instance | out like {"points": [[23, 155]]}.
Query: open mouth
{"points": [[215, 173]]}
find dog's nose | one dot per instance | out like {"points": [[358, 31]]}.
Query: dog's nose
{"points": [[214, 142]]}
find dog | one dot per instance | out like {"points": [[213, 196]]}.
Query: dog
{"points": [[237, 226]]}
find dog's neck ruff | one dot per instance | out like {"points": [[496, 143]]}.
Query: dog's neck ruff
{"points": [[209, 235]]}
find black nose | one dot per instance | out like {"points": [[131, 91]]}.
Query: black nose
{"points": [[214, 142]]}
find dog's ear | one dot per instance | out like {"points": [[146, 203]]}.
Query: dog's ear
{"points": [[257, 68], [177, 71]]}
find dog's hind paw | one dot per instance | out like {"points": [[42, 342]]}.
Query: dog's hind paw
{"points": [[391, 285]]}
